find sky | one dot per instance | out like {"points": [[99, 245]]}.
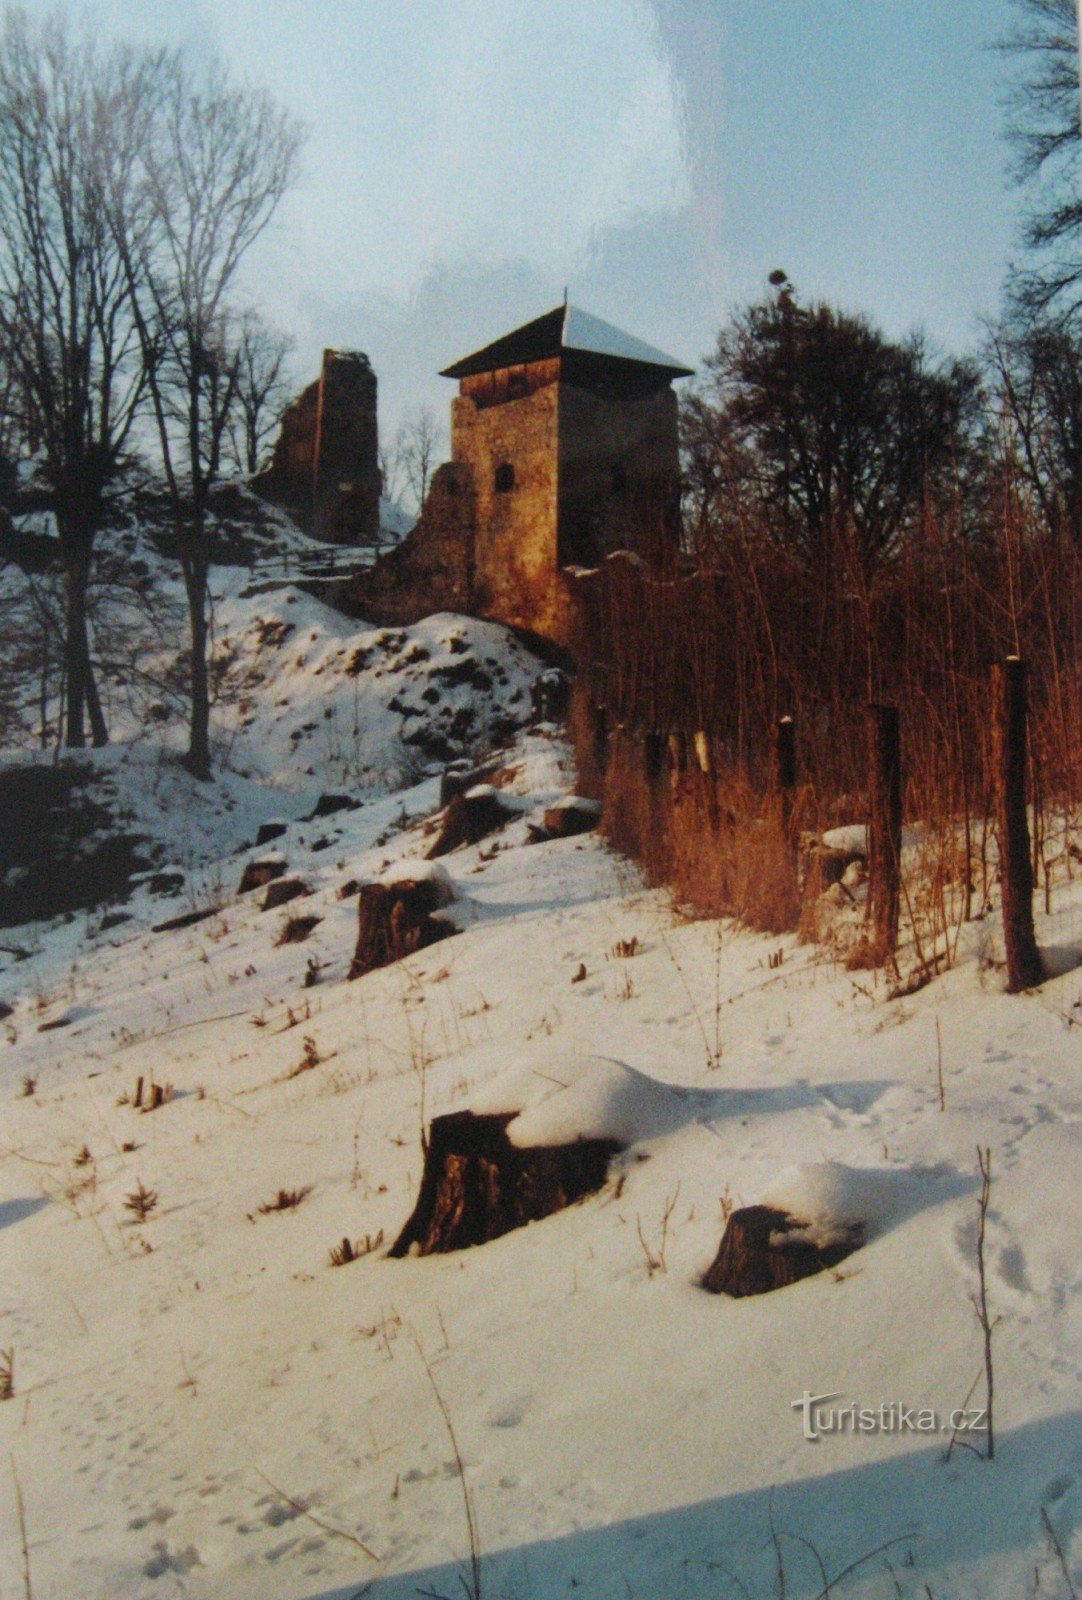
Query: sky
{"points": [[469, 160]]}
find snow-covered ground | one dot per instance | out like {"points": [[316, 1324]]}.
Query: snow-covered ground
{"points": [[204, 1406]]}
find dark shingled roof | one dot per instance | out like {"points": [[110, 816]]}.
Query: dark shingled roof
{"points": [[565, 328]]}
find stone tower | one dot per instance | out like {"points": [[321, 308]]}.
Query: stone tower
{"points": [[564, 448], [325, 468]]}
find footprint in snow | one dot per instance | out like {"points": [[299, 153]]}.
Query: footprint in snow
{"points": [[163, 1560]]}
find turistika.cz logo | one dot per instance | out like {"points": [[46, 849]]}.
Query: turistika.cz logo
{"points": [[821, 1416]]}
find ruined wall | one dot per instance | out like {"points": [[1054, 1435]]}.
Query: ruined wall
{"points": [[511, 450], [619, 472], [432, 569], [325, 467], [554, 463]]}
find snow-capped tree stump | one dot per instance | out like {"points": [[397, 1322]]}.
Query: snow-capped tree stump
{"points": [[257, 874], [282, 891], [469, 818], [328, 805], [395, 919], [763, 1248], [821, 865], [477, 1185], [269, 831], [572, 816]]}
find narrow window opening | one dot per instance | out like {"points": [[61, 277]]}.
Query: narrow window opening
{"points": [[505, 478]]}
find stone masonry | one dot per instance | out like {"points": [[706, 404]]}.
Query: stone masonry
{"points": [[325, 468], [563, 449]]}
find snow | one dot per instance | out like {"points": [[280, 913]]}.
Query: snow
{"points": [[831, 1197], [562, 1098], [409, 870], [583, 331], [203, 1406]]}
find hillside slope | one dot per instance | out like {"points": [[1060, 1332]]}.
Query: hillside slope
{"points": [[204, 1406]]}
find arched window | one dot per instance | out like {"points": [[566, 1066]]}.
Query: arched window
{"points": [[505, 478]]}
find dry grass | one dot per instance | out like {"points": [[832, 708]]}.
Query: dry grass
{"points": [[141, 1202], [723, 849], [689, 676], [284, 1200]]}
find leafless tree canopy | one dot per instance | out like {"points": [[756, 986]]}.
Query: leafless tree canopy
{"points": [[132, 184], [1045, 132], [72, 368]]}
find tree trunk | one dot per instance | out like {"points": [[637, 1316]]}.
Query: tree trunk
{"points": [[1024, 966], [75, 653], [195, 584], [99, 733], [81, 693]]}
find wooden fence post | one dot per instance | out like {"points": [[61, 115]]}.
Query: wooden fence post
{"points": [[884, 832], [653, 747], [1024, 967], [601, 739], [786, 773]]}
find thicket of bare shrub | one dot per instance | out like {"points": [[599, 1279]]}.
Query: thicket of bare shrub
{"points": [[717, 652]]}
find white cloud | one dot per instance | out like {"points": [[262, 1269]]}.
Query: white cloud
{"points": [[463, 128]]}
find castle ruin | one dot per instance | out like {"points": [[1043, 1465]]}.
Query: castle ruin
{"points": [[564, 448], [325, 468]]}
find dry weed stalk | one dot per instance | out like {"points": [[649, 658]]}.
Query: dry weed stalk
{"points": [[284, 1200], [655, 1259], [20, 1510], [342, 1254], [141, 1202], [980, 1300], [471, 1585]]}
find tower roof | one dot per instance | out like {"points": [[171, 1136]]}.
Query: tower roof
{"points": [[565, 328]]}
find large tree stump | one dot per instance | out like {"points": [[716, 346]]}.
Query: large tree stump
{"points": [[1024, 966], [396, 919], [571, 816], [477, 1185], [469, 818], [282, 891], [257, 874], [763, 1248]]}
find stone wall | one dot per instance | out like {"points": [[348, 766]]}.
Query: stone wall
{"points": [[325, 468], [555, 463], [432, 569]]}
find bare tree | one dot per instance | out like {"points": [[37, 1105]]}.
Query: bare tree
{"points": [[64, 316], [263, 390], [215, 160], [419, 444], [1046, 133], [1038, 374]]}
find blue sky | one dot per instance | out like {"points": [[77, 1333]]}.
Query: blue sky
{"points": [[468, 159]]}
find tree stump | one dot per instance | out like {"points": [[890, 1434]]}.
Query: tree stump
{"points": [[763, 1248], [269, 831], [257, 874], [571, 816], [469, 818], [328, 805], [282, 891], [477, 1185], [395, 919]]}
